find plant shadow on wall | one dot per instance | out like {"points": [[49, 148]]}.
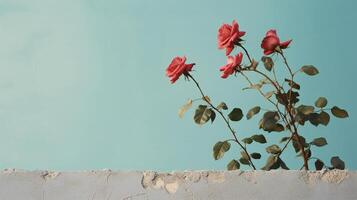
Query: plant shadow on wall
{"points": [[286, 112]]}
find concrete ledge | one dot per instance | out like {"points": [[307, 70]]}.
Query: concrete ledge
{"points": [[115, 185]]}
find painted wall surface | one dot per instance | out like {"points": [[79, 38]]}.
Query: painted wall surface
{"points": [[82, 82], [207, 185]]}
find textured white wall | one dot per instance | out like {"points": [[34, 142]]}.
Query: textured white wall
{"points": [[107, 184]]}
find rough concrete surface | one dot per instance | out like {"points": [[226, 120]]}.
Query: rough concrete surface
{"points": [[205, 185]]}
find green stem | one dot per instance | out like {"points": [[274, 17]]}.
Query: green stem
{"points": [[246, 53], [225, 120], [287, 107]]}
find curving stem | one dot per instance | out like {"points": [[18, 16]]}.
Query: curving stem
{"points": [[287, 107], [225, 120]]}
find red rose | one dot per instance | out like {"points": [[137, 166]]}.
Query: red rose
{"points": [[177, 68], [228, 35], [271, 41], [233, 63]]}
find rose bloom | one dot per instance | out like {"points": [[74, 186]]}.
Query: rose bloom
{"points": [[271, 41], [233, 63], [228, 35], [177, 68]]}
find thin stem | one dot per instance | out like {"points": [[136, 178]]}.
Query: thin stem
{"points": [[198, 99], [286, 144], [261, 92], [286, 63], [275, 78], [281, 86], [287, 107], [233, 140], [294, 132], [225, 119], [283, 116], [291, 74], [246, 52], [267, 77]]}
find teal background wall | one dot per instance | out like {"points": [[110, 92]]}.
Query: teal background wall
{"points": [[82, 83]]}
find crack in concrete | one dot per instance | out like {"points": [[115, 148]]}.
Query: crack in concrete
{"points": [[130, 197]]}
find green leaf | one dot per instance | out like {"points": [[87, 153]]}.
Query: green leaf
{"points": [[268, 94], [314, 119], [319, 164], [337, 163], [255, 155], [268, 63], [273, 149], [292, 84], [244, 161], [270, 125], [304, 109], [309, 70], [233, 165], [202, 115], [282, 164], [220, 148], [284, 139], [236, 114], [259, 138], [206, 99], [296, 143], [319, 142], [324, 118], [185, 108], [253, 111], [269, 122], [247, 140], [213, 115], [254, 86], [223, 106], [244, 155], [338, 112], [278, 128], [301, 118], [285, 98], [321, 102], [271, 163], [271, 115]]}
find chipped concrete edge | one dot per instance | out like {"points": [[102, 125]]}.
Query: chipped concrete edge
{"points": [[171, 181]]}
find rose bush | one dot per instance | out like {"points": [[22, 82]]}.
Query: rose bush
{"points": [[286, 115]]}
